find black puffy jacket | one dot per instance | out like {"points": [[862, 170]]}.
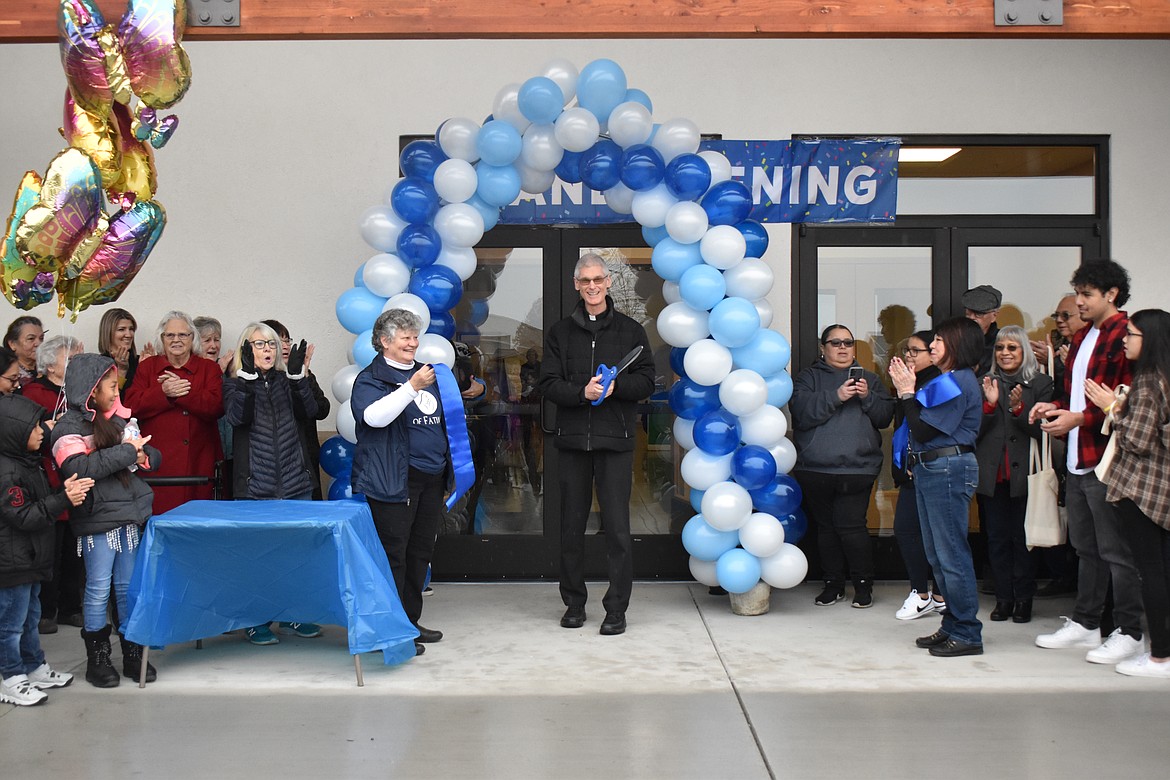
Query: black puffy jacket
{"points": [[573, 349]]}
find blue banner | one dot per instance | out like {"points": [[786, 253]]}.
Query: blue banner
{"points": [[823, 180]]}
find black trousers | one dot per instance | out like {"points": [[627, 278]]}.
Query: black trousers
{"points": [[838, 503], [62, 593], [408, 532], [1012, 563], [1150, 543], [613, 474]]}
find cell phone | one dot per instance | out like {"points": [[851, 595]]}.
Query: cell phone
{"points": [[856, 372]]}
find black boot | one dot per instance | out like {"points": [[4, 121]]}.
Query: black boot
{"points": [[1003, 610], [132, 662], [99, 670], [1022, 612]]}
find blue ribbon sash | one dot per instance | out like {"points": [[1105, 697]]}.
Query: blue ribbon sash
{"points": [[935, 393], [457, 438]]}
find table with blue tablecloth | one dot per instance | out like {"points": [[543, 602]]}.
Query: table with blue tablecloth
{"points": [[208, 567]]}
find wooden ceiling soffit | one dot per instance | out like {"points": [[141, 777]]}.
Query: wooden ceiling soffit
{"points": [[35, 20]]}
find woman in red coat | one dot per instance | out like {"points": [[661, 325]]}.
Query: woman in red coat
{"points": [[177, 397]]}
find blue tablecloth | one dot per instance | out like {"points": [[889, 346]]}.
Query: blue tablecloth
{"points": [[208, 567]]}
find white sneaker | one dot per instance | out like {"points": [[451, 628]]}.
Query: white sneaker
{"points": [[915, 606], [43, 677], [1142, 666], [1117, 648], [1071, 634], [19, 691]]}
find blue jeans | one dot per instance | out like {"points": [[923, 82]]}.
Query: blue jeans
{"points": [[944, 488], [105, 562], [20, 647]]}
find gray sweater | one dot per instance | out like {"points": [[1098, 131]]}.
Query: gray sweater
{"points": [[833, 437]]}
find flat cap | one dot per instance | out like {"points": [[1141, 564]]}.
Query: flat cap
{"points": [[983, 298]]}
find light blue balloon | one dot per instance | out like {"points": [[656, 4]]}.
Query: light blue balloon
{"points": [[702, 286], [733, 322], [490, 214], [498, 143], [357, 308], [363, 348], [358, 279], [601, 87], [779, 388], [498, 185], [697, 499], [652, 235], [737, 570], [671, 259], [541, 100], [705, 542], [767, 353], [638, 96]]}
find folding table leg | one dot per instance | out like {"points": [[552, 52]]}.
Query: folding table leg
{"points": [[142, 670], [357, 666]]}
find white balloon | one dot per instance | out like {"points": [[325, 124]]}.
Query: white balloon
{"points": [[630, 124], [620, 198], [675, 137], [743, 392], [701, 469], [380, 227], [346, 425], [576, 129], [670, 292], [764, 309], [762, 535], [751, 279], [680, 325], [707, 362], [342, 385], [786, 569], [412, 303], [506, 106], [726, 506], [459, 225], [386, 275], [455, 180], [564, 74], [703, 572], [460, 259], [533, 181], [684, 433], [540, 149], [784, 453], [719, 164], [457, 139], [433, 348], [764, 427], [651, 206], [723, 246], [687, 222]]}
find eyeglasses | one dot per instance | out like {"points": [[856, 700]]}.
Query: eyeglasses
{"points": [[1061, 316], [1128, 334], [12, 378], [176, 336], [839, 342], [597, 280], [915, 351], [286, 341], [262, 343], [1007, 347]]}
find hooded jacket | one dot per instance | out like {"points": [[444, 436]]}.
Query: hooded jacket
{"points": [[833, 437], [110, 503], [28, 506]]}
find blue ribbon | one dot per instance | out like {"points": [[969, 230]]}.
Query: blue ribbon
{"points": [[935, 393], [457, 438]]}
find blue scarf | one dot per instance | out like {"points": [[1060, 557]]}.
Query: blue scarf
{"points": [[457, 438], [935, 393]]}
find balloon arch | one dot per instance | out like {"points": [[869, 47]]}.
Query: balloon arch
{"points": [[732, 382]]}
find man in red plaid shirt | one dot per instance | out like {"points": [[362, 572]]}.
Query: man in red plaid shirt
{"points": [[1097, 353]]}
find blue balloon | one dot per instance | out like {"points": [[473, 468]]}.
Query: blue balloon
{"points": [[357, 308], [795, 526], [414, 200], [688, 176], [697, 499], [671, 259], [363, 348], [756, 237], [498, 143], [652, 235], [419, 245], [421, 158], [738, 571], [358, 279], [752, 467], [767, 353], [601, 165], [490, 214], [601, 87], [702, 286], [337, 456], [342, 489], [498, 185], [734, 322], [642, 167], [443, 324], [676, 360], [569, 168], [479, 310], [705, 542], [779, 388], [717, 432], [439, 287], [541, 100], [780, 497], [727, 203], [691, 401], [638, 96]]}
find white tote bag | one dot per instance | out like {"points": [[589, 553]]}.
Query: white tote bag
{"points": [[1044, 525]]}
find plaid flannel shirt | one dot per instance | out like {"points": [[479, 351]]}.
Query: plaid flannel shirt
{"points": [[1139, 469], [1107, 366]]}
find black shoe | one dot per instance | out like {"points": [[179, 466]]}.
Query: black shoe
{"points": [[1022, 612], [132, 662], [47, 626], [715, 590], [953, 648], [419, 649], [99, 671], [832, 593], [614, 623], [72, 619], [934, 640], [1054, 589], [863, 594], [574, 617], [428, 634], [1003, 610]]}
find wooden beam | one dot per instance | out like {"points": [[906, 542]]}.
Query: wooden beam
{"points": [[35, 20]]}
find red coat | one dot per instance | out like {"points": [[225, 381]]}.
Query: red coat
{"points": [[183, 429]]}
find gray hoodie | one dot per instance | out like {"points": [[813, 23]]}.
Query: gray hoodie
{"points": [[833, 437]]}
